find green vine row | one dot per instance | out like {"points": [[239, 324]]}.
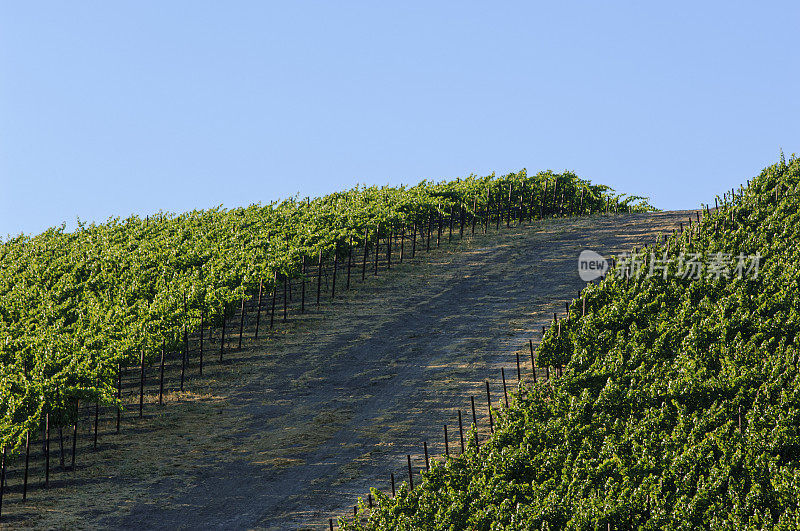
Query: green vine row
{"points": [[679, 403], [74, 306]]}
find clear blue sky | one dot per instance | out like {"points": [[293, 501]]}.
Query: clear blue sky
{"points": [[114, 108]]}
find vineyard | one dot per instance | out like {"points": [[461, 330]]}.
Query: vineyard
{"points": [[82, 312], [667, 397]]}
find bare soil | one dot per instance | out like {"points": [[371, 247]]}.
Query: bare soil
{"points": [[292, 429]]}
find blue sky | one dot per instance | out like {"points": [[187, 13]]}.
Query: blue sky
{"points": [[115, 108]]}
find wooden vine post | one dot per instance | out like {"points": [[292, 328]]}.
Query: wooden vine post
{"points": [[47, 448], [222, 336], [335, 267], [505, 391], [160, 381], [274, 299], [414, 240], [319, 276], [389, 248], [303, 287], [489, 408], [184, 353], [75, 435], [410, 473], [474, 420], [202, 329], [241, 323], [2, 477], [119, 398], [27, 463], [402, 242], [141, 383], [377, 246], [461, 431], [258, 306], [349, 260], [364, 263]]}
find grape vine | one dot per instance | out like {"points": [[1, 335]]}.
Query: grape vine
{"points": [[679, 403], [74, 306]]}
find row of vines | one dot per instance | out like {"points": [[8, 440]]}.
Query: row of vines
{"points": [[76, 306], [678, 406]]}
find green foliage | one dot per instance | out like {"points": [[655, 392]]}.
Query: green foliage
{"points": [[75, 305], [642, 431]]}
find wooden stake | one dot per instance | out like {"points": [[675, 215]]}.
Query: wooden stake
{"points": [[258, 308], [486, 216], [364, 263], [499, 216], [74, 436], [402, 242], [350, 260], [474, 420], [474, 214], [489, 408], [410, 473], [222, 336], [533, 360], [47, 448], [184, 354], [119, 394], [505, 392], [427, 463], [275, 297], [541, 205], [160, 381], [446, 443], [202, 328], [389, 248], [61, 445], [377, 246], [27, 462], [519, 374], [319, 276], [461, 431], [428, 243], [2, 478], [335, 267], [508, 211], [141, 383], [414, 241], [241, 324], [303, 287], [450, 235]]}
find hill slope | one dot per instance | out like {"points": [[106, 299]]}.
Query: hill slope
{"points": [[679, 406], [290, 430]]}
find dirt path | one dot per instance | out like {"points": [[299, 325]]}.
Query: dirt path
{"points": [[292, 430]]}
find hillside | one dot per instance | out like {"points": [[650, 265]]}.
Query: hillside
{"points": [[76, 308], [679, 404], [290, 429]]}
